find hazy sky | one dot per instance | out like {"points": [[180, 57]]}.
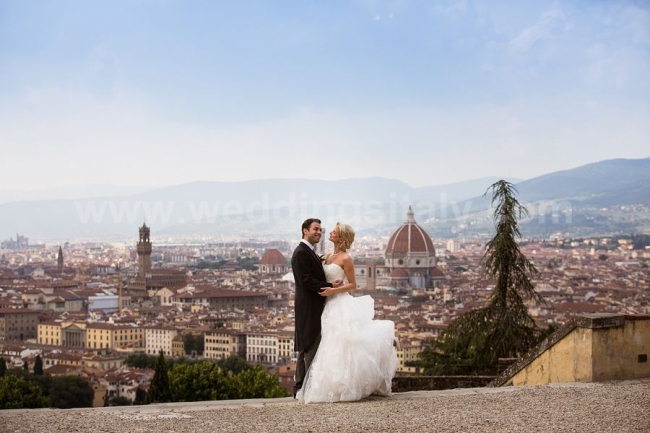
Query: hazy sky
{"points": [[428, 92]]}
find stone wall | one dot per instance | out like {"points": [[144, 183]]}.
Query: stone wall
{"points": [[435, 383], [590, 348]]}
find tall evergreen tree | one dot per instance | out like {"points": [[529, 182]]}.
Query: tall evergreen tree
{"points": [[473, 343], [38, 366], [3, 366], [193, 343], [140, 396], [159, 391]]}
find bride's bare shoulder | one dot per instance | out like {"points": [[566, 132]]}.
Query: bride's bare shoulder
{"points": [[347, 257]]}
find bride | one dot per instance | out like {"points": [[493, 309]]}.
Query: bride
{"points": [[356, 356]]}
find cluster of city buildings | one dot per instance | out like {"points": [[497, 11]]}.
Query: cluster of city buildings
{"points": [[84, 308]]}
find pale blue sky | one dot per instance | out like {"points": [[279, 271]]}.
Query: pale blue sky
{"points": [[427, 92]]}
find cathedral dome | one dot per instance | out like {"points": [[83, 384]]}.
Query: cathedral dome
{"points": [[273, 257], [410, 238]]}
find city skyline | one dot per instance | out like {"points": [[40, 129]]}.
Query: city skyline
{"points": [[164, 93]]}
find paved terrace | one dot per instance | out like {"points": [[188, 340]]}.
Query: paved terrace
{"points": [[595, 407]]}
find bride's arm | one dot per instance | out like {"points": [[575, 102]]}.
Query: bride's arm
{"points": [[348, 268]]}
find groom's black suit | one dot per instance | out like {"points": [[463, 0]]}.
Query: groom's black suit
{"points": [[309, 277]]}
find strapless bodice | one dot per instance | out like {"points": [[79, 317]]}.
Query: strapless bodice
{"points": [[333, 272]]}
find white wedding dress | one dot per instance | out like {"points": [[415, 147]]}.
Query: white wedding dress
{"points": [[356, 356]]}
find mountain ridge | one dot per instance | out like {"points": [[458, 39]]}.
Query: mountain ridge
{"points": [[274, 207]]}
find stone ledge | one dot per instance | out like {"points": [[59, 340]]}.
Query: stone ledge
{"points": [[637, 317], [600, 320]]}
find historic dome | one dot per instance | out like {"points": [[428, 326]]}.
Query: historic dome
{"points": [[410, 238], [273, 257], [411, 258], [273, 262]]}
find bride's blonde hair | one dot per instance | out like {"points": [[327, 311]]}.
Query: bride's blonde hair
{"points": [[346, 234]]}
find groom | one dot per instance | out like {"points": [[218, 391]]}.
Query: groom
{"points": [[309, 276]]}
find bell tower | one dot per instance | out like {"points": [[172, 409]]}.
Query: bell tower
{"points": [[144, 252], [59, 261]]}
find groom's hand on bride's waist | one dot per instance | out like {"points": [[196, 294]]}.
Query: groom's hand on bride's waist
{"points": [[327, 291]]}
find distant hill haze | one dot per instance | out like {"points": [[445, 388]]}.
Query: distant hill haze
{"points": [[275, 208], [607, 197], [252, 208], [606, 183]]}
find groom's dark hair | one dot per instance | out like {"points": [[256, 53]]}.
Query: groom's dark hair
{"points": [[307, 224]]}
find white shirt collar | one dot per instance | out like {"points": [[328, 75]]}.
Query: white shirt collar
{"points": [[307, 243]]}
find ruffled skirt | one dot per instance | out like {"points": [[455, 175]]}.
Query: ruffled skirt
{"points": [[356, 356]]}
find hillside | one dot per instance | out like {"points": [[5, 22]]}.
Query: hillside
{"points": [[568, 201]]}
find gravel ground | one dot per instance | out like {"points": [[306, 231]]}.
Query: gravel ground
{"points": [[603, 407]]}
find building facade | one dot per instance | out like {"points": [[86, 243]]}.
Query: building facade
{"points": [[218, 299], [262, 348], [111, 336], [49, 333], [286, 354], [159, 338], [18, 324], [222, 343]]}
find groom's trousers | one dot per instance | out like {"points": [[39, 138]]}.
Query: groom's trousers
{"points": [[305, 358]]}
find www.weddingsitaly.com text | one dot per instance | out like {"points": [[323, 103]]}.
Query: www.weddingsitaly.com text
{"points": [[286, 211]]}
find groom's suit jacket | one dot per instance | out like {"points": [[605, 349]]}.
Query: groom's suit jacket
{"points": [[309, 276]]}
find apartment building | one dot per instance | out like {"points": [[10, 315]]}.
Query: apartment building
{"points": [[113, 336], [49, 333], [222, 343], [157, 338], [262, 347], [217, 299], [286, 353], [408, 352], [18, 324]]}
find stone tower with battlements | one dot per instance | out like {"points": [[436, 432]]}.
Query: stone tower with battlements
{"points": [[149, 280], [144, 252]]}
